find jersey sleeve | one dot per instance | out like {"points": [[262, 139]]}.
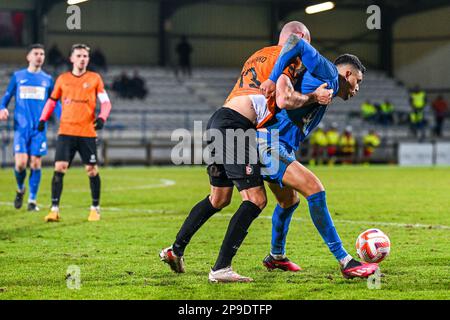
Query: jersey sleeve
{"points": [[105, 104], [57, 90], [313, 61], [10, 92]]}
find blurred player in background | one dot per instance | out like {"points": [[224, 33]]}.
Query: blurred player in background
{"points": [[342, 78], [78, 90], [31, 88]]}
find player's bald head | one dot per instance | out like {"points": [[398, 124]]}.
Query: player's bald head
{"points": [[295, 27]]}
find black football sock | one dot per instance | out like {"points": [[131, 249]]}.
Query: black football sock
{"points": [[199, 214], [95, 189], [236, 233], [57, 186]]}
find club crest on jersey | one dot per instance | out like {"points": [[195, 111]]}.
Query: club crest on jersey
{"points": [[44, 83], [86, 85]]}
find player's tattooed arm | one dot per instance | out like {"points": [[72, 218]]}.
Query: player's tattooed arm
{"points": [[288, 98], [290, 44], [289, 52]]}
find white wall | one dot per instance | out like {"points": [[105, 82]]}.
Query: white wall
{"points": [[422, 62], [127, 34], [340, 24], [17, 4], [214, 31]]}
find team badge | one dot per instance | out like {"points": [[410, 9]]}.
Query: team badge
{"points": [[86, 85], [248, 170]]}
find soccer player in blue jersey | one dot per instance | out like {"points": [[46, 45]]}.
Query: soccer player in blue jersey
{"points": [[342, 79], [31, 88]]}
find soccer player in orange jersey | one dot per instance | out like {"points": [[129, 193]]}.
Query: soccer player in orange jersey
{"points": [[78, 91]]}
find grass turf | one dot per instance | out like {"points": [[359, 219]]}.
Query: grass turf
{"points": [[142, 211]]}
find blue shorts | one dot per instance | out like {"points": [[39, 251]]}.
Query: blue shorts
{"points": [[33, 143], [275, 157]]}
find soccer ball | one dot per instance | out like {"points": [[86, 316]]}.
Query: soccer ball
{"points": [[373, 246]]}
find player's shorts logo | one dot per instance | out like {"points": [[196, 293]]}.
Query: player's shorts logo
{"points": [[17, 147], [92, 160], [43, 146], [248, 170]]}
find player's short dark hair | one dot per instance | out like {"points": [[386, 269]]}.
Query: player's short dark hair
{"points": [[80, 46], [35, 46], [351, 59]]}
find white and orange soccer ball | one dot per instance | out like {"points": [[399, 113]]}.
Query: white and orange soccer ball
{"points": [[373, 246]]}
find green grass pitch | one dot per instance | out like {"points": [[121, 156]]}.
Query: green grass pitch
{"points": [[144, 207]]}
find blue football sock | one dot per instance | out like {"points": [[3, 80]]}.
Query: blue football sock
{"points": [[34, 181], [20, 178], [324, 224], [281, 219]]}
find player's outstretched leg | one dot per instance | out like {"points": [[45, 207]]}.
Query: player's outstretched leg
{"points": [[288, 202], [254, 201], [304, 181], [219, 198], [33, 182], [95, 184]]}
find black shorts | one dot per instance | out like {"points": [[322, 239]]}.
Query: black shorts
{"points": [[238, 163], [67, 146]]}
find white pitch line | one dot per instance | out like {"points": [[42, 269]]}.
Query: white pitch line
{"points": [[226, 215], [393, 224], [163, 183], [114, 209]]}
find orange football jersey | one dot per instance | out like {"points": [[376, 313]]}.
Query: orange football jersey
{"points": [[256, 70], [78, 96]]}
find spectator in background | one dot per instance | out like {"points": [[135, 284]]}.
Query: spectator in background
{"points": [[417, 99], [368, 111], [55, 57], [98, 61], [347, 145], [386, 113], [371, 141], [121, 85], [184, 50], [417, 124], [333, 142], [137, 86], [318, 143], [440, 109]]}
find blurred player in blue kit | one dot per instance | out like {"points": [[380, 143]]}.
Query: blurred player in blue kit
{"points": [[31, 88], [342, 79]]}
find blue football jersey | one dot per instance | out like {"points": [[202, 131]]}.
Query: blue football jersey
{"points": [[295, 125], [31, 91]]}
